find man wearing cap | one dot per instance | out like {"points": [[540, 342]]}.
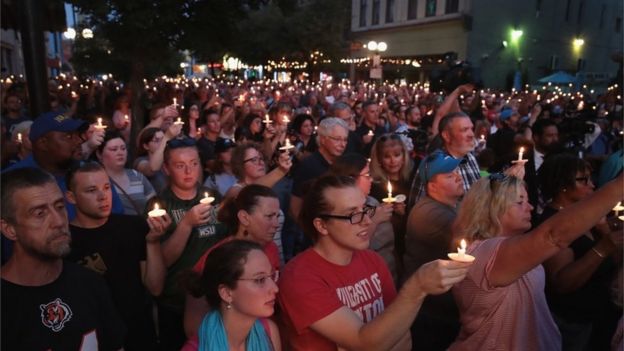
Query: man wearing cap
{"points": [[428, 237], [56, 144], [504, 140]]}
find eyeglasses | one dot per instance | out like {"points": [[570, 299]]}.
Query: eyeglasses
{"points": [[338, 139], [496, 177], [355, 217], [365, 175], [256, 159], [181, 142], [262, 280], [584, 180]]}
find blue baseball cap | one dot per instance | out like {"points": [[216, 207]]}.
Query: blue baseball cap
{"points": [[55, 122], [505, 114], [438, 162]]}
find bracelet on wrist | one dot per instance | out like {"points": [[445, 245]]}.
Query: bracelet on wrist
{"points": [[600, 254]]}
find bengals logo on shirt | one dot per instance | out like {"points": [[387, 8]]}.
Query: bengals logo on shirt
{"points": [[55, 314]]}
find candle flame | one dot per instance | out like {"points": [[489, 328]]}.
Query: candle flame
{"points": [[389, 188], [156, 206], [462, 244], [522, 150]]}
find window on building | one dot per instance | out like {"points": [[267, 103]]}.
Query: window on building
{"points": [[568, 7], [579, 16], [363, 5], [602, 15], [430, 8], [452, 6], [618, 24], [375, 19], [389, 11], [412, 9]]}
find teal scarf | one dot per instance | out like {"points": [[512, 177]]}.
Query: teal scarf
{"points": [[212, 335]]}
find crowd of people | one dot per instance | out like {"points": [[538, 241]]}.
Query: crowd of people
{"points": [[264, 215]]}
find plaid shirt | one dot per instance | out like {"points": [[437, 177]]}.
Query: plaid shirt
{"points": [[468, 169]]}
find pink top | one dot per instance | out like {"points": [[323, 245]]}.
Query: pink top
{"points": [[513, 317]]}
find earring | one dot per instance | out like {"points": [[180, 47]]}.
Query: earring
{"points": [[565, 189], [228, 306]]}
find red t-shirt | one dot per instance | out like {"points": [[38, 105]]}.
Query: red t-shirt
{"points": [[270, 249], [311, 288]]}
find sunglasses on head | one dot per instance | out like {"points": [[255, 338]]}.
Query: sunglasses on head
{"points": [[496, 177]]}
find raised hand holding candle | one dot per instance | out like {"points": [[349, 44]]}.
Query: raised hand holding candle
{"points": [[156, 212], [390, 198], [267, 120], [461, 255], [19, 138], [207, 200], [482, 139], [370, 132], [520, 154], [179, 121], [618, 208], [175, 102]]}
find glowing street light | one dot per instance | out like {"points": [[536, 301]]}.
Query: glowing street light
{"points": [[516, 34], [578, 42], [372, 45], [382, 46], [70, 33], [87, 33]]}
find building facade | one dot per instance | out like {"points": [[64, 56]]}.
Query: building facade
{"points": [[498, 37]]}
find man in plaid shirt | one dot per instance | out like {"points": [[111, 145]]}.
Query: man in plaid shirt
{"points": [[456, 133]]}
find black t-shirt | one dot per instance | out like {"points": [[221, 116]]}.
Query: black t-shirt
{"points": [[115, 251], [363, 130], [75, 312], [310, 168]]}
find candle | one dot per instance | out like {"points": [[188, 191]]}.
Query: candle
{"points": [[175, 102], [617, 207], [390, 198], [267, 121], [156, 212], [370, 132], [126, 118], [285, 119], [520, 154], [482, 138], [19, 137], [199, 131], [287, 145], [179, 121], [207, 200], [73, 94], [99, 124], [461, 255]]}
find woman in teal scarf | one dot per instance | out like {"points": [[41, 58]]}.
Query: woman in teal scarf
{"points": [[239, 284]]}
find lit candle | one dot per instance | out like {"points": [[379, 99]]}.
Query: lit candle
{"points": [[482, 138], [179, 121], [267, 120], [618, 208], [285, 119], [199, 131], [390, 198], [99, 124], [370, 132], [287, 145], [175, 102], [73, 94], [19, 137], [156, 212], [461, 255], [207, 200], [520, 154], [126, 118]]}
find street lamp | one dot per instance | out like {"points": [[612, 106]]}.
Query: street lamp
{"points": [[70, 33], [516, 34], [578, 42], [87, 33], [376, 48]]}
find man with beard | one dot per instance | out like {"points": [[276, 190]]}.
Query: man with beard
{"points": [[48, 303], [124, 249]]}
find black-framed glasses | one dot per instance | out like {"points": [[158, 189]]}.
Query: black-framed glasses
{"points": [[181, 142], [496, 177], [255, 160], [584, 180], [355, 217], [262, 280]]}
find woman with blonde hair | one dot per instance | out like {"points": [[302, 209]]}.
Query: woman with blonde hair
{"points": [[501, 301], [391, 165]]}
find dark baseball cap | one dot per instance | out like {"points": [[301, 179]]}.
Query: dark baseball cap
{"points": [[55, 122], [223, 145]]}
